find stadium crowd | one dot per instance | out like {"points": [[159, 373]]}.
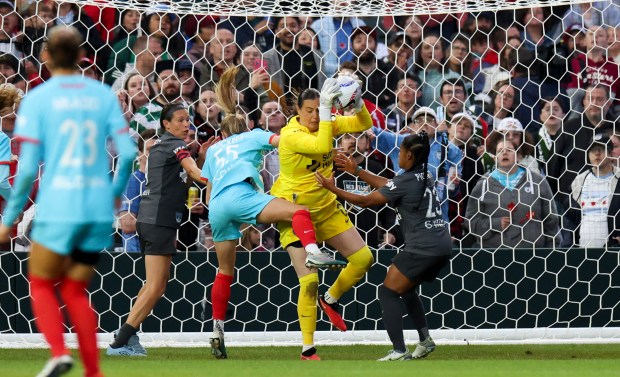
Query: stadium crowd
{"points": [[521, 106]]}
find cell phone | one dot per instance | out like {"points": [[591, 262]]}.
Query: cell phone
{"points": [[260, 64]]}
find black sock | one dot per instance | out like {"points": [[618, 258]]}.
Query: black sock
{"points": [[392, 317], [415, 308], [125, 332], [309, 352]]}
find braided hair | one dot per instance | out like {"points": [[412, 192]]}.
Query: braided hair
{"points": [[419, 146]]}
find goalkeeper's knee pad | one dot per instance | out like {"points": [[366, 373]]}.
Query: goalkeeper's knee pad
{"points": [[362, 259]]}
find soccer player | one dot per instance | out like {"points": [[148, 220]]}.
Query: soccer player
{"points": [[428, 244], [159, 218], [306, 147], [65, 124], [235, 195]]}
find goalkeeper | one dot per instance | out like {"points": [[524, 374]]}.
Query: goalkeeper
{"points": [[306, 147], [427, 239], [235, 194]]}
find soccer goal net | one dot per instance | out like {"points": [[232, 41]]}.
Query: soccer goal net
{"points": [[524, 95]]}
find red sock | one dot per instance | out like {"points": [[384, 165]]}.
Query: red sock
{"points": [[220, 294], [303, 227], [48, 317], [84, 320]]}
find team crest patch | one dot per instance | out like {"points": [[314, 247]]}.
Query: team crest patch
{"points": [[179, 217]]}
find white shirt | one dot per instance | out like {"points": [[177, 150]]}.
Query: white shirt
{"points": [[594, 202]]}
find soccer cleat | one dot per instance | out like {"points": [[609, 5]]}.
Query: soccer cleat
{"points": [[218, 349], [322, 260], [312, 357], [332, 313], [134, 342], [57, 366], [422, 349], [125, 350], [394, 355]]}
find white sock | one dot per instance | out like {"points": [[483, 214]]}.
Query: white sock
{"points": [[329, 298], [218, 325], [312, 248], [307, 347]]}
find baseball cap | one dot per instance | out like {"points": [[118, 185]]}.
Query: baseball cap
{"points": [[85, 62], [424, 110], [7, 3], [164, 65], [459, 116], [601, 140], [509, 124], [400, 38]]}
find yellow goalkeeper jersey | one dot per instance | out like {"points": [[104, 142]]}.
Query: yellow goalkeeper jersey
{"points": [[303, 152]]}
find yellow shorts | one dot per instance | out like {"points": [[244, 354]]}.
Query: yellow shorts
{"points": [[329, 221]]}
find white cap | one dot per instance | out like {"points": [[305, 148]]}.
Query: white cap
{"points": [[458, 116], [425, 111], [509, 124]]}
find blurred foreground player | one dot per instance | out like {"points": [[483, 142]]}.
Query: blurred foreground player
{"points": [[65, 124]]}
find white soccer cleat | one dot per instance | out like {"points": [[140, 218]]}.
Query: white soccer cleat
{"points": [[218, 348], [395, 356], [322, 260], [422, 349], [57, 366]]}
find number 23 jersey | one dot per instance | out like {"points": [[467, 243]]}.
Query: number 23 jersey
{"points": [[419, 210]]}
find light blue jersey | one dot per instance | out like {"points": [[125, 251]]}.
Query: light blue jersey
{"points": [[236, 159], [5, 161], [231, 167], [65, 123]]}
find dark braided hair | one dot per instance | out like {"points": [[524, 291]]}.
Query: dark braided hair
{"points": [[419, 146]]}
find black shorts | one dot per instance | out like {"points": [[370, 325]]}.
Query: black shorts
{"points": [[419, 268], [157, 240]]}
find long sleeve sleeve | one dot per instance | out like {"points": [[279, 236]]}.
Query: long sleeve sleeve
{"points": [[301, 142], [30, 156], [353, 123]]}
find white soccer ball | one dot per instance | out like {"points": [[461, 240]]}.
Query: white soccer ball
{"points": [[350, 91]]}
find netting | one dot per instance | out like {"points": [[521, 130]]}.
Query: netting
{"points": [[526, 157]]}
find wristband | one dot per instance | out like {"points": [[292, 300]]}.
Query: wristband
{"points": [[357, 171]]}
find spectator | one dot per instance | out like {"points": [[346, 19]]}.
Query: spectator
{"points": [[460, 61], [504, 101], [430, 67], [253, 79], [599, 68], [552, 117], [147, 51], [129, 25], [39, 18], [128, 213], [443, 156], [613, 39], [208, 115], [534, 35], [252, 238], [592, 193], [9, 70], [10, 98], [512, 206], [369, 220], [199, 52], [272, 119], [137, 92], [400, 114], [399, 53], [589, 14], [89, 69], [224, 53], [160, 25], [334, 36], [292, 66], [9, 29], [251, 30], [377, 85], [188, 77], [570, 157], [512, 130], [148, 116], [461, 129], [70, 14], [307, 37]]}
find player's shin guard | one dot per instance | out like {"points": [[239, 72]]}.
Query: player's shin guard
{"points": [[220, 294], [84, 320], [359, 263], [306, 306], [46, 310], [303, 227]]}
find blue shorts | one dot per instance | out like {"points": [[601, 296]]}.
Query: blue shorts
{"points": [[64, 238], [233, 206]]}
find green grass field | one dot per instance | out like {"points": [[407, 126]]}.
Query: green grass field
{"points": [[582, 360]]}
